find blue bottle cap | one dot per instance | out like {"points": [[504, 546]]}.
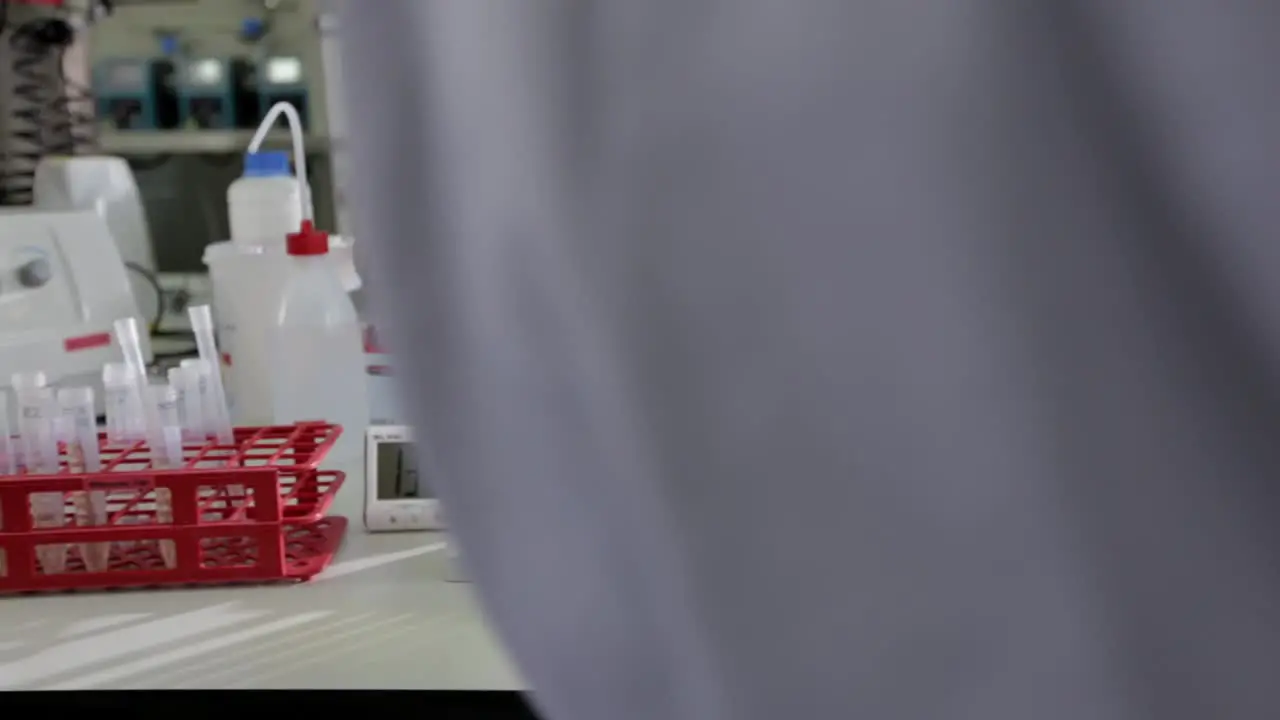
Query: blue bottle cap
{"points": [[273, 163], [252, 28], [169, 45]]}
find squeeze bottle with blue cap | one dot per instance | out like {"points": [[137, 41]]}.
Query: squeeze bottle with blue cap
{"points": [[265, 203]]}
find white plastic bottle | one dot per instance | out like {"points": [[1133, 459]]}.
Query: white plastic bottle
{"points": [[266, 203], [317, 357]]}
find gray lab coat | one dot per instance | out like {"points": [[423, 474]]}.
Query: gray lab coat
{"points": [[876, 359]]}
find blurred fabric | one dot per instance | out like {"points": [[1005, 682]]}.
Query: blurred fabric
{"points": [[876, 360]]}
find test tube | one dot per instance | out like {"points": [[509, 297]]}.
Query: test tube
{"points": [[203, 404], [164, 435], [203, 374], [76, 405], [195, 386], [47, 508], [129, 339], [202, 324], [178, 381], [8, 462], [165, 399], [8, 466], [83, 456], [115, 400], [25, 389]]}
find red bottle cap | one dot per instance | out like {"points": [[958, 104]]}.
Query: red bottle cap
{"points": [[308, 240]]}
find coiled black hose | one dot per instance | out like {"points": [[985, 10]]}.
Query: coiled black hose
{"points": [[50, 116], [74, 125]]}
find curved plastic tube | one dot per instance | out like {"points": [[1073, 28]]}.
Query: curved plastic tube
{"points": [[299, 148]]}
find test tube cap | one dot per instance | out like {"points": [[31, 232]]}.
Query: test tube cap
{"points": [[75, 396], [25, 381]]}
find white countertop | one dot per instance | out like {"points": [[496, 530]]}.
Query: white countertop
{"points": [[383, 616]]}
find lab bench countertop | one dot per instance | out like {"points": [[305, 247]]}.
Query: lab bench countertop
{"points": [[384, 616]]}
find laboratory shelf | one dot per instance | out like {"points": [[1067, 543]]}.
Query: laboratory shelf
{"points": [[131, 143]]}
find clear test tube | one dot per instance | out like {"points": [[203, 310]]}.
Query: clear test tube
{"points": [[129, 338], [26, 386], [165, 437], [8, 457], [212, 409], [8, 464], [76, 406], [115, 400], [178, 381], [83, 456], [208, 402], [48, 509], [125, 418], [201, 317], [195, 382], [167, 414]]}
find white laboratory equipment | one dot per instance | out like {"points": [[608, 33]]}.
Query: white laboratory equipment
{"points": [[317, 356], [104, 184], [62, 286]]}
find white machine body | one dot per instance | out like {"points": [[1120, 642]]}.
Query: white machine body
{"points": [[395, 502], [105, 185], [62, 285]]}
